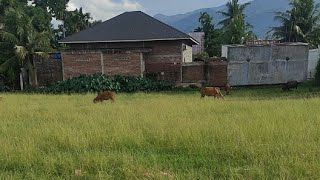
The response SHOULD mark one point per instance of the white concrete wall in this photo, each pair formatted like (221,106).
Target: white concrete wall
(312,62)
(224,51)
(187,54)
(266,64)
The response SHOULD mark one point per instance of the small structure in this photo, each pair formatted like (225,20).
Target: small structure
(48,70)
(266,64)
(132,43)
(211,71)
(313,59)
(198,48)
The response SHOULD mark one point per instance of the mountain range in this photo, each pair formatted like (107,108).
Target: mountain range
(260,14)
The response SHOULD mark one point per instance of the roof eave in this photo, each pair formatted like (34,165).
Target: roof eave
(115,41)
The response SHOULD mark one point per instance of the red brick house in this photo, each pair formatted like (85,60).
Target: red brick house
(132,43)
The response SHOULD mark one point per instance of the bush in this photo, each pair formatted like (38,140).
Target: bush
(4,88)
(202,55)
(317,75)
(99,82)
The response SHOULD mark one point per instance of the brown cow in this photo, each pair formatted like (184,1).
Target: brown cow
(227,88)
(211,91)
(105,95)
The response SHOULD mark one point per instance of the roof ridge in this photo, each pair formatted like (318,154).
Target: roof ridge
(128,26)
(168,25)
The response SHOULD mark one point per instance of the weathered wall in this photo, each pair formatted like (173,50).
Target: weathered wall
(193,72)
(78,62)
(187,54)
(163,58)
(199,37)
(214,73)
(266,64)
(123,63)
(49,70)
(312,62)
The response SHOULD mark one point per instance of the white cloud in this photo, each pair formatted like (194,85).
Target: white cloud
(104,9)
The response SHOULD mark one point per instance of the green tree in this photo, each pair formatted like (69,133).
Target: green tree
(212,37)
(20,33)
(76,21)
(299,24)
(57,8)
(236,29)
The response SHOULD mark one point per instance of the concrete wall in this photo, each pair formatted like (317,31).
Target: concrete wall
(312,62)
(266,64)
(187,53)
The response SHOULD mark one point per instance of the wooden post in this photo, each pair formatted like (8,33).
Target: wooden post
(21,82)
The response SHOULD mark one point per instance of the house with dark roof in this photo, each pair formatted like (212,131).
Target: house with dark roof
(132,43)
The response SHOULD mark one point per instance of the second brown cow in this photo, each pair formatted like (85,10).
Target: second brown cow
(211,91)
(105,95)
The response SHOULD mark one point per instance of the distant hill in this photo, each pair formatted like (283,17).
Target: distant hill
(259,14)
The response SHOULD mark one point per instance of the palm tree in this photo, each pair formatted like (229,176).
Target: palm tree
(27,42)
(300,23)
(234,25)
(76,21)
(198,29)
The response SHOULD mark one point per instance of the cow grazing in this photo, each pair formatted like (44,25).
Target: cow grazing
(227,88)
(211,91)
(105,95)
(289,85)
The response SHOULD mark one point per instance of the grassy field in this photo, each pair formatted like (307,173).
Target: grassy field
(252,134)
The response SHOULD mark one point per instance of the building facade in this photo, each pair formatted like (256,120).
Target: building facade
(132,43)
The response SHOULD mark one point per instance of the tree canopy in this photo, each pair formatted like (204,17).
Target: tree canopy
(298,24)
(26,30)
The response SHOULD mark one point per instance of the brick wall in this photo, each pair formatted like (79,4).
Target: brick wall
(213,73)
(76,63)
(193,72)
(49,70)
(124,63)
(218,73)
(165,60)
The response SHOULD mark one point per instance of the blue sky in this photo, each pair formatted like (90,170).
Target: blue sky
(105,9)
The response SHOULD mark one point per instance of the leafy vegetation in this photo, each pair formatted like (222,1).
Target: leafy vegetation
(26,30)
(235,30)
(300,23)
(252,134)
(99,82)
(212,42)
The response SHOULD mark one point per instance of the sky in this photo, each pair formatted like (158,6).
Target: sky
(106,9)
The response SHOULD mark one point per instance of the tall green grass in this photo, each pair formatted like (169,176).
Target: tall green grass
(252,134)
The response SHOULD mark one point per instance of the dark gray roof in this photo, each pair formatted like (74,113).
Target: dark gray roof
(128,27)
